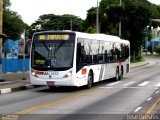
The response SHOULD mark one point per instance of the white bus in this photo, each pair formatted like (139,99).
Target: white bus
(68,58)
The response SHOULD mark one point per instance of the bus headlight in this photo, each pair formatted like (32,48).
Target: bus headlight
(34,73)
(68,74)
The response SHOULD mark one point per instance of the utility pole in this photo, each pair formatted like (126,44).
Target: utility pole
(1,19)
(23,36)
(97,18)
(120,3)
(71,24)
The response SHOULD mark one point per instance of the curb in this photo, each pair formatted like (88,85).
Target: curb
(9,90)
(135,65)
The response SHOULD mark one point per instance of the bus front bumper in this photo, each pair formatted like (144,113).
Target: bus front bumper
(52,82)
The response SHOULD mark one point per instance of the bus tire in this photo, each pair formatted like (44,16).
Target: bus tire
(121,73)
(117,74)
(51,87)
(89,81)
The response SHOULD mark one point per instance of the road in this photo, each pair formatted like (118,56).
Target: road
(108,100)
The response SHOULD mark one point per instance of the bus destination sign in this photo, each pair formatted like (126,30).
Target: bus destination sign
(53,37)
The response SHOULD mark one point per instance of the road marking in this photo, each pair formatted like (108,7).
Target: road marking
(139,108)
(152,108)
(156,92)
(144,83)
(119,87)
(158,85)
(149,99)
(129,83)
(52,103)
(115,83)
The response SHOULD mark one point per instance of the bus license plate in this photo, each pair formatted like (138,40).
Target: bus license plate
(51,73)
(50,83)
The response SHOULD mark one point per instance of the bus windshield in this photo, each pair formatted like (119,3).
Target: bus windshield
(52,55)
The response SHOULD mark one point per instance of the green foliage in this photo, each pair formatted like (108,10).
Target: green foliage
(91,18)
(6,4)
(13,25)
(157,50)
(59,22)
(134,16)
(91,30)
(137,58)
(152,49)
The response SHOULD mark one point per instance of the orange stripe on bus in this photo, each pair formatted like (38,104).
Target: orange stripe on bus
(39,73)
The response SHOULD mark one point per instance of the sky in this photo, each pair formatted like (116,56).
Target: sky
(30,10)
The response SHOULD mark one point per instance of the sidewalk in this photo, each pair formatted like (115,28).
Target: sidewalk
(14,82)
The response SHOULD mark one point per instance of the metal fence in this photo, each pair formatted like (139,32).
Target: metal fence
(14,65)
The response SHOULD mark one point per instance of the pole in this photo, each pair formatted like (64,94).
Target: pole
(24,44)
(1,19)
(146,39)
(97,18)
(71,24)
(153,42)
(120,3)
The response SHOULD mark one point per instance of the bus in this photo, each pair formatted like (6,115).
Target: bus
(69,58)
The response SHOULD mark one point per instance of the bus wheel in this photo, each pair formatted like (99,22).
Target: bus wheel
(121,74)
(51,87)
(90,81)
(117,75)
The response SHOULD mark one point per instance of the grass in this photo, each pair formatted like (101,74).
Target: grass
(156,55)
(137,59)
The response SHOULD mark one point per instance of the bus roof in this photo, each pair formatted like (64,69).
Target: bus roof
(96,36)
(99,36)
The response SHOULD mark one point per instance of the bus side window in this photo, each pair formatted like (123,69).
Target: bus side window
(106,57)
(118,51)
(100,59)
(80,54)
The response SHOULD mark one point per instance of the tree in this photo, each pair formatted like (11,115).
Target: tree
(90,21)
(134,16)
(59,22)
(13,25)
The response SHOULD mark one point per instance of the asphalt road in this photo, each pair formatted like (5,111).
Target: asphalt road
(107,100)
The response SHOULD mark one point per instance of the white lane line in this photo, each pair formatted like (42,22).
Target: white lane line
(156,92)
(115,83)
(158,85)
(119,87)
(6,90)
(144,83)
(139,108)
(129,83)
(149,99)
